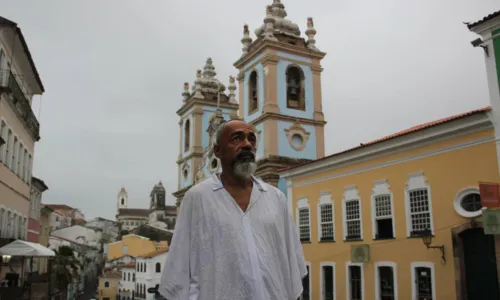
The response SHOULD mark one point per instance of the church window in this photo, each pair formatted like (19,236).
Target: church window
(187,130)
(123,201)
(295,88)
(158,267)
(185,173)
(253,91)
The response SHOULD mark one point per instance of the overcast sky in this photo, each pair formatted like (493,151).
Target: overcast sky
(114,72)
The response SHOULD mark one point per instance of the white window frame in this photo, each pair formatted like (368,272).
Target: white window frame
(3,133)
(417,181)
(348,280)
(457,203)
(381,188)
(377,278)
(322,275)
(303,203)
(14,154)
(424,264)
(351,193)
(325,199)
(8,149)
(308,264)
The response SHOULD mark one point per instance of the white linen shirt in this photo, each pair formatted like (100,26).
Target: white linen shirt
(219,252)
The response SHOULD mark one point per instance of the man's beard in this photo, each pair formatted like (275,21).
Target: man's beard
(244,165)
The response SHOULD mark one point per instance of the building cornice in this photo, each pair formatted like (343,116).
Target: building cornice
(279,117)
(261,45)
(192,102)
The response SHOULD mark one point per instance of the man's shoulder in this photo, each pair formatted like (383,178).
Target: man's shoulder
(201,187)
(271,190)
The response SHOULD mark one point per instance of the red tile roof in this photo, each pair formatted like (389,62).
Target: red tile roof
(485,19)
(59,206)
(399,134)
(133,212)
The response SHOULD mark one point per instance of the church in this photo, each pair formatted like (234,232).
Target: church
(158,215)
(400,217)
(279,92)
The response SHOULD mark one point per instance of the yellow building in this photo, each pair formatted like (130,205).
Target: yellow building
(42,262)
(134,245)
(109,283)
(361,214)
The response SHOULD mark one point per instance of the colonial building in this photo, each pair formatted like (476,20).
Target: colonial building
(109,229)
(148,270)
(129,218)
(108,285)
(279,83)
(134,245)
(203,108)
(37,188)
(19,129)
(158,215)
(401,217)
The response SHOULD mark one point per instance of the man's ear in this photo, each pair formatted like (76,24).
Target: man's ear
(217,151)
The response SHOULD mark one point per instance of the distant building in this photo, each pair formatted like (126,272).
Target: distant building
(159,214)
(148,270)
(37,188)
(45,229)
(129,218)
(134,245)
(127,285)
(109,229)
(19,130)
(108,285)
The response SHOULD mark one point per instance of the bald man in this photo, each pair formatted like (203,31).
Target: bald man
(235,238)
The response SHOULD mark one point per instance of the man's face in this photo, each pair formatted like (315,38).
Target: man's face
(237,149)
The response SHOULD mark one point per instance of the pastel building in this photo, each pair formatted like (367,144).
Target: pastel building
(133,245)
(19,130)
(401,217)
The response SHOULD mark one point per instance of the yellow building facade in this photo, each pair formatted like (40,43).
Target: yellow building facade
(134,245)
(109,283)
(361,214)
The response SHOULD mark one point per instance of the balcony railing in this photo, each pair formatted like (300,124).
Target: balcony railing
(10,86)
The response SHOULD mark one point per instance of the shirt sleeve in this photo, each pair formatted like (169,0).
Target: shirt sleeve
(298,269)
(176,281)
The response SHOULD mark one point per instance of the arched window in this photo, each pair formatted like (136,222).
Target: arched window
(128,277)
(295,88)
(253,93)
(187,130)
(158,267)
(145,267)
(123,201)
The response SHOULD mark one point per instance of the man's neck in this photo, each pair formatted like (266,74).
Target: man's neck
(228,179)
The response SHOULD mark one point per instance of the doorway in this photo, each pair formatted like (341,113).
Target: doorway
(480,265)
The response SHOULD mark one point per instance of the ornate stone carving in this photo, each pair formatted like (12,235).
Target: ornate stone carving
(297,136)
(280,24)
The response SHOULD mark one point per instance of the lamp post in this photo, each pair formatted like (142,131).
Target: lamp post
(427,239)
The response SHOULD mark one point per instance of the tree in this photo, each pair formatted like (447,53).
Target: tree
(65,266)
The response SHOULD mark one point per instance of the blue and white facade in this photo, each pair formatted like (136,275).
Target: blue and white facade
(279,85)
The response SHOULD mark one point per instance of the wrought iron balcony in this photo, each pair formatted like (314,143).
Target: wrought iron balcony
(10,86)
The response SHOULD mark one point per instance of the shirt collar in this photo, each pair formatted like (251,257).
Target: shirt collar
(217,184)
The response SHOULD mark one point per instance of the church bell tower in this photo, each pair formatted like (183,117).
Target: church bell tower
(280,92)
(121,199)
(204,106)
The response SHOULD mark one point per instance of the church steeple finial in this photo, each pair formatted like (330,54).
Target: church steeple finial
(311,32)
(246,40)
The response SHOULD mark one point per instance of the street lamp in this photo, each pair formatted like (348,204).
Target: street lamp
(6,258)
(427,239)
